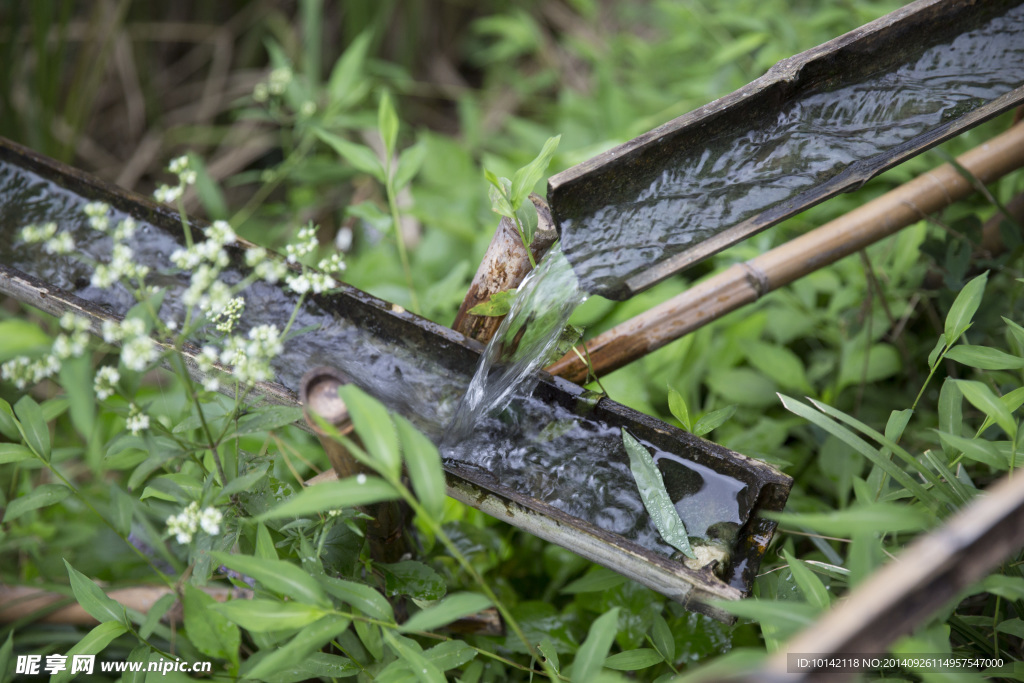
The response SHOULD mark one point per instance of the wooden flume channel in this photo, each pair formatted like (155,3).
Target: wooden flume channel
(768,488)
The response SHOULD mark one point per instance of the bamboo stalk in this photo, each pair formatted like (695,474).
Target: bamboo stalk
(21,602)
(906,592)
(743,283)
(502,269)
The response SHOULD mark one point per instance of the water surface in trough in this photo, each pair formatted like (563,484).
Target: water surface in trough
(548,451)
(656,209)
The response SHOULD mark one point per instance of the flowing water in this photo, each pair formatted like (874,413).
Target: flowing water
(662,207)
(559,454)
(523,343)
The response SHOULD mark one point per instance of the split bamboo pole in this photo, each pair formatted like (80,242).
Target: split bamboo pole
(743,283)
(903,594)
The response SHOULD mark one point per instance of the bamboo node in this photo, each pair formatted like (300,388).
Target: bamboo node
(757,278)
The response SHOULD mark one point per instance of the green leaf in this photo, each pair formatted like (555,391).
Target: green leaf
(598,579)
(1015,627)
(156,612)
(663,639)
(809,584)
(375,427)
(592,653)
(372,214)
(877,363)
(331,495)
(779,363)
(268,419)
(408,651)
(499,303)
(92,643)
(39,497)
(207,629)
(37,433)
(264,543)
(982,398)
(450,654)
(362,597)
(412,578)
(9,426)
(304,643)
(452,608)
(77,379)
(788,614)
(549,651)
(897,424)
(409,163)
(951,416)
(933,356)
(677,406)
(985,358)
(655,496)
(961,313)
(246,482)
(7,658)
(633,660)
(859,445)
(526,222)
(14,452)
(877,517)
(346,76)
(499,196)
(276,575)
(1016,330)
(359,156)
(21,337)
(423,462)
(387,123)
(1007,587)
(370,637)
(261,616)
(528,176)
(713,420)
(93,600)
(979,450)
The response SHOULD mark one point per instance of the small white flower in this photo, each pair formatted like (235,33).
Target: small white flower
(334,264)
(167,194)
(97,213)
(125,229)
(106,381)
(271,271)
(211,384)
(299,284)
(279,80)
(72,346)
(178,165)
(210,519)
(103,277)
(186,259)
(260,93)
(308,108)
(74,323)
(269,339)
(221,233)
(343,240)
(255,256)
(38,233)
(60,244)
(138,353)
(137,421)
(206,358)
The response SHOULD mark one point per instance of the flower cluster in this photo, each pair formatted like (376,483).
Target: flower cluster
(137,421)
(138,350)
(71,343)
(186,176)
(53,242)
(268,270)
(105,383)
(185,525)
(122,263)
(306,244)
(250,356)
(229,315)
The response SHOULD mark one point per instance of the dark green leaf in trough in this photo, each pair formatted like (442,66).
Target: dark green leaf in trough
(655,496)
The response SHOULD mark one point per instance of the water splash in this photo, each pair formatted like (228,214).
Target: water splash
(522,344)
